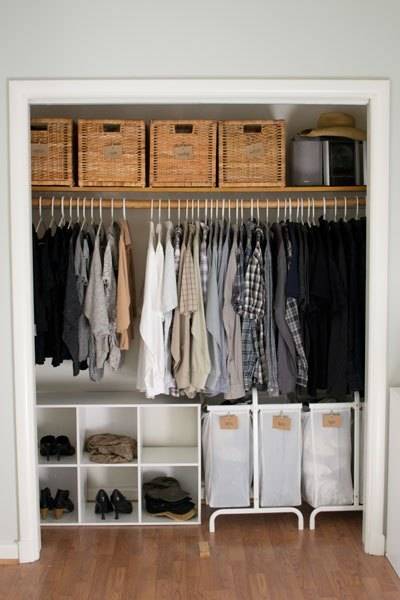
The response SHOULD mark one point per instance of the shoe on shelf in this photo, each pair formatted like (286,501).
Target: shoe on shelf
(63,446)
(46,502)
(120,503)
(48,446)
(62,503)
(103,504)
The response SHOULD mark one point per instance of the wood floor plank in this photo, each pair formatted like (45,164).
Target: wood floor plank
(262,557)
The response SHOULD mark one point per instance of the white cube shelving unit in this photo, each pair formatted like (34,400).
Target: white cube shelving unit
(168,437)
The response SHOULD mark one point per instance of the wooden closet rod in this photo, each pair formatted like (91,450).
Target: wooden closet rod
(143,204)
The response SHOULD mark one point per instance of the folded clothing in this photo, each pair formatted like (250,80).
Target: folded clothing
(111,448)
(165,497)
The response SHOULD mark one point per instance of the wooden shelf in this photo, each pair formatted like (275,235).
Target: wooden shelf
(211,190)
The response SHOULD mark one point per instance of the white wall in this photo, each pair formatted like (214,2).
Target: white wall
(97,38)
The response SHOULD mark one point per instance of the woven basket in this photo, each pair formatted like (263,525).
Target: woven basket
(111,153)
(183,153)
(51,152)
(252,153)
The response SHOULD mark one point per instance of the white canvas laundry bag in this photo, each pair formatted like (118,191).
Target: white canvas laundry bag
(227,460)
(280,455)
(326,464)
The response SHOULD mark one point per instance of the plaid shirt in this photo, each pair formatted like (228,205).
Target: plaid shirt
(178,235)
(254,288)
(253,313)
(293,321)
(204,259)
(238,284)
(188,297)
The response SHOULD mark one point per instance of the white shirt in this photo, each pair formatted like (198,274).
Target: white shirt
(150,374)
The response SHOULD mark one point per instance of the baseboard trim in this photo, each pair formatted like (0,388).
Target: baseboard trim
(8,553)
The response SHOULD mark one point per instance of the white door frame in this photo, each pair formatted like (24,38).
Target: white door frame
(373,93)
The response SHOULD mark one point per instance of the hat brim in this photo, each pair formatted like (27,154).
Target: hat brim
(347,132)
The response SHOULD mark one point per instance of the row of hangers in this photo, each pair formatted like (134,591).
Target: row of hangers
(289,207)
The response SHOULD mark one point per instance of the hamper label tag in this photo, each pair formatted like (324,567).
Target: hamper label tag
(39,150)
(229,422)
(255,150)
(332,420)
(282,422)
(183,151)
(114,151)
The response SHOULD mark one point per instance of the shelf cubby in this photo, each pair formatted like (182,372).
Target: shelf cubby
(57,421)
(63,479)
(174,441)
(92,480)
(188,478)
(105,419)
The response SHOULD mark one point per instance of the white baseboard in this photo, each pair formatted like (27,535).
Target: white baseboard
(8,551)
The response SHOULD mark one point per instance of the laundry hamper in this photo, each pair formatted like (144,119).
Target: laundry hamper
(327,454)
(183,153)
(111,153)
(227,459)
(251,153)
(280,443)
(51,152)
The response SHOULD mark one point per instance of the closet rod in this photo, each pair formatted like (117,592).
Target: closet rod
(142,204)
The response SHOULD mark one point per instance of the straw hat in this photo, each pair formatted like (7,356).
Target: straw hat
(336,124)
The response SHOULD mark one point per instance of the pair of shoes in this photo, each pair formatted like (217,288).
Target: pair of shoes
(60,504)
(56,446)
(116,502)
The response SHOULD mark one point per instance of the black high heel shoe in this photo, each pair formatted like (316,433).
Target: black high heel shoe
(48,446)
(63,446)
(120,503)
(103,504)
(62,503)
(46,502)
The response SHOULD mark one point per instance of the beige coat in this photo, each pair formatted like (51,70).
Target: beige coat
(126,295)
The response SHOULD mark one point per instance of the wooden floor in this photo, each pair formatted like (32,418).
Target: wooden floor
(251,558)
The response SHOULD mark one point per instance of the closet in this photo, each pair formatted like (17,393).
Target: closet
(168,429)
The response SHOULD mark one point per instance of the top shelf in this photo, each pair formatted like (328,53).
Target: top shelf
(207,190)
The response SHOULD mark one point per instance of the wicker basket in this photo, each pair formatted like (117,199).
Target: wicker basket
(252,153)
(183,153)
(111,153)
(51,152)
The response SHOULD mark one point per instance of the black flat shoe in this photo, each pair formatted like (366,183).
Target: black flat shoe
(63,446)
(103,504)
(48,446)
(46,502)
(62,503)
(120,503)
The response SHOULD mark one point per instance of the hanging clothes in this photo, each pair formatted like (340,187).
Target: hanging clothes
(126,293)
(72,305)
(212,316)
(231,320)
(169,301)
(96,312)
(269,324)
(200,364)
(286,352)
(110,289)
(151,371)
(82,269)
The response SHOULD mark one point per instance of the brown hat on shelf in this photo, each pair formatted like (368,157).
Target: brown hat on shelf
(336,124)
